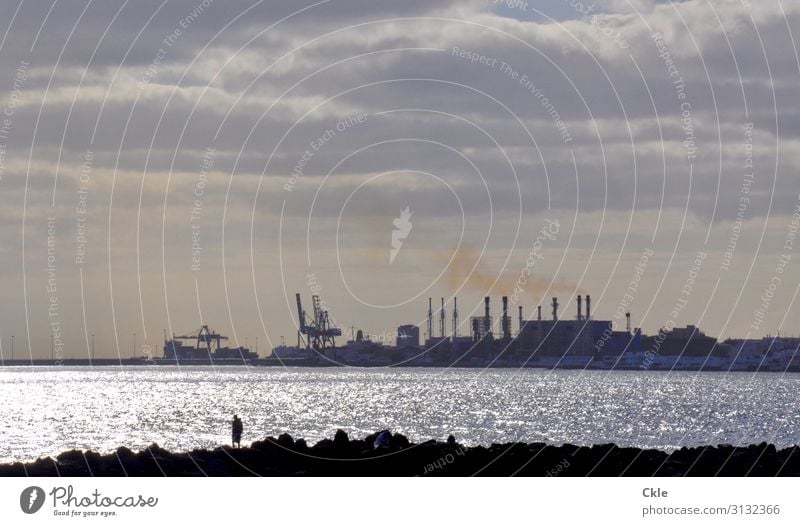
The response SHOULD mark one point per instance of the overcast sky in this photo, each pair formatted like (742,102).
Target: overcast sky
(169,163)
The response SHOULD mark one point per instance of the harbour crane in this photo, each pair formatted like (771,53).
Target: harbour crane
(205,339)
(318,329)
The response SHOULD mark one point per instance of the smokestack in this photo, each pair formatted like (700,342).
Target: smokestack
(442,321)
(520,318)
(506,320)
(628,321)
(430,318)
(588,310)
(555,309)
(539,313)
(487,320)
(580,308)
(455,317)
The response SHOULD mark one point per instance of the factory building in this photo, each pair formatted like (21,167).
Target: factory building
(581,340)
(408,336)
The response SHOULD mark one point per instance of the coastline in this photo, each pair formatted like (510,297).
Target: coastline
(326,363)
(341,456)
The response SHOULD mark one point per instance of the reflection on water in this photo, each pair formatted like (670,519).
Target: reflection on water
(47,410)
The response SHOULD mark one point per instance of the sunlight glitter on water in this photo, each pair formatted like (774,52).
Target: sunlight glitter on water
(48,410)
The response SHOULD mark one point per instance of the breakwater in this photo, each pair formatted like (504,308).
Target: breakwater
(396,456)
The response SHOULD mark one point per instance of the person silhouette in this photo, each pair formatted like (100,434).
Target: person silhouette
(236,432)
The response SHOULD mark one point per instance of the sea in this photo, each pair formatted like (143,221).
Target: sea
(47,410)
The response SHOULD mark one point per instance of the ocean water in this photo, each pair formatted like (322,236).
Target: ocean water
(46,410)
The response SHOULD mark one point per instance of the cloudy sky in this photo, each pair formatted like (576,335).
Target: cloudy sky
(169,163)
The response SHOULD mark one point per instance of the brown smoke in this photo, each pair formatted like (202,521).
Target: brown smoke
(460,273)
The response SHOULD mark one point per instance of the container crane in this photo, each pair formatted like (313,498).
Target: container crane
(319,332)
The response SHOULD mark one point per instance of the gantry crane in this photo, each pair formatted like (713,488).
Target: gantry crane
(205,339)
(319,332)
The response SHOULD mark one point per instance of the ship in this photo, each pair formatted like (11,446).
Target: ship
(204,347)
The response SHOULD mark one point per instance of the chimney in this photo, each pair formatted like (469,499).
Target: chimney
(442,321)
(506,320)
(487,320)
(455,317)
(588,303)
(539,313)
(628,321)
(579,308)
(520,318)
(430,318)
(555,309)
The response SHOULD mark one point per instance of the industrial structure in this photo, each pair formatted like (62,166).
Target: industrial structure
(408,336)
(318,330)
(204,346)
(561,341)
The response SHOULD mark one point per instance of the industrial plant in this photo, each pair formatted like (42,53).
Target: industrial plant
(555,342)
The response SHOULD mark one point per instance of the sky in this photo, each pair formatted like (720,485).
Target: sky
(168,164)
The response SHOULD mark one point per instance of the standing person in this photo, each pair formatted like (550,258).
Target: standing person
(236,432)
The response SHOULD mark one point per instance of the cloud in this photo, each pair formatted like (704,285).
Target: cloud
(513,113)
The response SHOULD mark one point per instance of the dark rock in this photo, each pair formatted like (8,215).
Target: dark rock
(43,467)
(340,439)
(17,469)
(286,440)
(399,457)
(325,444)
(68,457)
(370,439)
(399,441)
(261,445)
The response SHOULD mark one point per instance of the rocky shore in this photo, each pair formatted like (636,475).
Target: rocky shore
(396,456)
